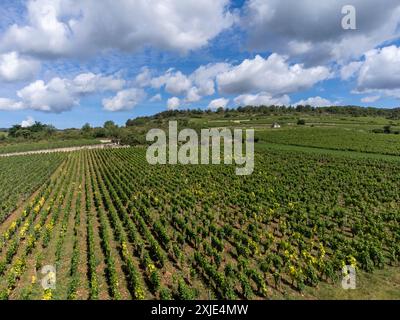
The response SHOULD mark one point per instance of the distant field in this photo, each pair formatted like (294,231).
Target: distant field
(22,147)
(338,138)
(326,132)
(331,120)
(263,146)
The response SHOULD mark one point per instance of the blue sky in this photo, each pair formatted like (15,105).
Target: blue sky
(68,62)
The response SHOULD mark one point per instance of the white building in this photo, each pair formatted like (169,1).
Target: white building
(275,125)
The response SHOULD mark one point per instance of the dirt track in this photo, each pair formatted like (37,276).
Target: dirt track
(69,149)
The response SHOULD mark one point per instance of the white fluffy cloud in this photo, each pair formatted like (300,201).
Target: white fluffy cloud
(28,122)
(68,27)
(45,34)
(175,82)
(60,94)
(13,67)
(315,102)
(55,96)
(173,103)
(257,81)
(204,77)
(90,82)
(124,100)
(193,95)
(273,75)
(261,99)
(10,105)
(192,87)
(218,103)
(312,29)
(380,72)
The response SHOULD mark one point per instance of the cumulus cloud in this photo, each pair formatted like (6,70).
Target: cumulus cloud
(312,31)
(10,105)
(66,27)
(315,102)
(193,95)
(261,99)
(45,34)
(124,100)
(28,122)
(60,94)
(218,103)
(13,67)
(204,77)
(380,72)
(175,82)
(90,82)
(273,75)
(55,96)
(192,87)
(173,103)
(257,81)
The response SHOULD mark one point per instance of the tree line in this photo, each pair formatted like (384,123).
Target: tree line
(354,111)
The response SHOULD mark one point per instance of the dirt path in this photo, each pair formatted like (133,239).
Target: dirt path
(69,149)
